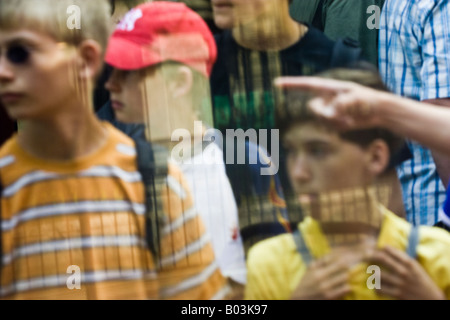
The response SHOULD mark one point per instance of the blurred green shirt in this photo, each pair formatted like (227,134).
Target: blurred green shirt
(356,19)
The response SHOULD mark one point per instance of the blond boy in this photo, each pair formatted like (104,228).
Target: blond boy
(72,205)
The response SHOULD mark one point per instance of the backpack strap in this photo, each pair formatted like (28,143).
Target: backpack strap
(413,241)
(302,249)
(152,165)
(346,52)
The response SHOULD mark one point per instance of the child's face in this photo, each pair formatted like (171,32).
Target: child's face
(334,181)
(126,89)
(320,161)
(141,96)
(37,78)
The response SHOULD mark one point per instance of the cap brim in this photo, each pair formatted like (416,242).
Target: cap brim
(127,55)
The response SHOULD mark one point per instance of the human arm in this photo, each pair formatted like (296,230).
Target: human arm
(351,106)
(441,160)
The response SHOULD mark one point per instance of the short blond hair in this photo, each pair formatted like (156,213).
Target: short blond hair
(52,16)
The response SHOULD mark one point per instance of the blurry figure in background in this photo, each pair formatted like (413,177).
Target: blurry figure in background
(162,54)
(354,19)
(262,42)
(414,60)
(204,9)
(346,228)
(72,198)
(120,7)
(308,12)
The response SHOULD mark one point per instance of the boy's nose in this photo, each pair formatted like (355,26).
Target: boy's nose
(6,73)
(113,82)
(300,172)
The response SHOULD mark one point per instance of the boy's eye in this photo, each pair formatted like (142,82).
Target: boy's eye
(124,74)
(318,151)
(18,54)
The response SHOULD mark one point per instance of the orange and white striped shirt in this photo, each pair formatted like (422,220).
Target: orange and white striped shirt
(88,215)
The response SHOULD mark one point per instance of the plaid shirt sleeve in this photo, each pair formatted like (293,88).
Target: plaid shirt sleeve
(435,21)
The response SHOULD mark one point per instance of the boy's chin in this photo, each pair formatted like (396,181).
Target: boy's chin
(307,198)
(16,112)
(128,120)
(349,227)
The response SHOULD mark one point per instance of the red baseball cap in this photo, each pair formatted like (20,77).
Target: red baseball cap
(160,31)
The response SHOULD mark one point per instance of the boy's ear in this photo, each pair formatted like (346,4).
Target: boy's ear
(91,60)
(377,157)
(181,82)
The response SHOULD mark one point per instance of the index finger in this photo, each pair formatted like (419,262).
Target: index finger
(312,84)
(398,254)
(394,259)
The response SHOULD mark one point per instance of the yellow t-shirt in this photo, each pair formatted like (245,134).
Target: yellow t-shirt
(275,268)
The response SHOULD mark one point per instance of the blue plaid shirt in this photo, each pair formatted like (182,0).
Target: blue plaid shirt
(414,61)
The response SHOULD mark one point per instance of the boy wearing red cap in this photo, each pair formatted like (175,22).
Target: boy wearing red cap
(162,54)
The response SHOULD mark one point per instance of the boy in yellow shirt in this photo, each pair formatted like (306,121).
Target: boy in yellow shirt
(348,246)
